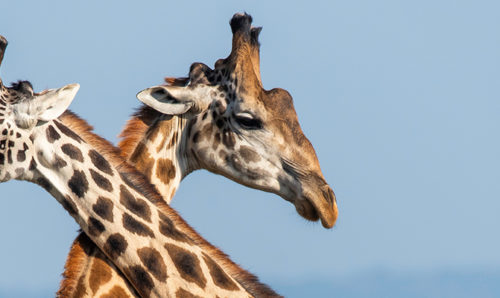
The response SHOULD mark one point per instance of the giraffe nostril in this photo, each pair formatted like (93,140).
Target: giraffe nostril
(329,195)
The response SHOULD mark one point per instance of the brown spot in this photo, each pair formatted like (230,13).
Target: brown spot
(115,245)
(187,264)
(72,151)
(135,226)
(141,279)
(52,134)
(168,228)
(219,277)
(222,154)
(80,290)
(206,131)
(104,208)
(181,293)
(162,144)
(100,162)
(165,170)
(101,181)
(153,261)
(78,183)
(163,128)
(137,206)
(116,292)
(69,205)
(58,163)
(95,227)
(248,154)
(142,161)
(233,161)
(68,132)
(100,273)
(21,154)
(9,156)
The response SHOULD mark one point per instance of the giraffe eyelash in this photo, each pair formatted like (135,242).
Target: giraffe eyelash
(248,121)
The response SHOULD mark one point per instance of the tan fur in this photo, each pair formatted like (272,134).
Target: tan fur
(100,273)
(115,292)
(80,255)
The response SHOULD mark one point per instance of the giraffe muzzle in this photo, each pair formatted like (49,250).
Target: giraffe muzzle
(319,205)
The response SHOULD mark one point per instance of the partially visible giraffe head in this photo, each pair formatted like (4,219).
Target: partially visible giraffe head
(238,129)
(21,110)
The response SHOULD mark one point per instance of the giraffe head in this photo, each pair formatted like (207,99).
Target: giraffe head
(238,129)
(21,113)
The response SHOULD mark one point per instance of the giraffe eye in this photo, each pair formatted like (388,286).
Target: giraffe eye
(248,121)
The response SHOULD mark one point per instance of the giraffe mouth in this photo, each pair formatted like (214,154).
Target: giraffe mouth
(307,210)
(322,208)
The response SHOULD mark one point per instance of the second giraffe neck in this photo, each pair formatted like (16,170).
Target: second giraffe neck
(161,155)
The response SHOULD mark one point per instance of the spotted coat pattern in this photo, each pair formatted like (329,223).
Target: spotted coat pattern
(165,148)
(114,205)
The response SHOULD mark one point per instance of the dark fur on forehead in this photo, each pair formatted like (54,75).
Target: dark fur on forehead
(199,73)
(240,22)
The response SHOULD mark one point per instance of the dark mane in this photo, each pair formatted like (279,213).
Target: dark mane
(139,182)
(22,86)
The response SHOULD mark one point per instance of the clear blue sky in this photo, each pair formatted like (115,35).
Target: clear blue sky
(401,100)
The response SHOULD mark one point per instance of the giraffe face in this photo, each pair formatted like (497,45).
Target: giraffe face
(237,129)
(23,114)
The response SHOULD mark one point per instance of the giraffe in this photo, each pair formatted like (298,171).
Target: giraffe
(121,212)
(168,146)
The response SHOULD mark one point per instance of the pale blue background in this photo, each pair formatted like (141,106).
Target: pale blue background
(401,100)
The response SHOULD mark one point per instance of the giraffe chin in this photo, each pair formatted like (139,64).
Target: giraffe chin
(308,210)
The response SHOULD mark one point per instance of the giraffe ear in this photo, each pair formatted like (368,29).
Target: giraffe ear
(53,103)
(176,100)
(168,100)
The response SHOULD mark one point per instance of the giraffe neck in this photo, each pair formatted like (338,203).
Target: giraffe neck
(151,141)
(161,155)
(124,216)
